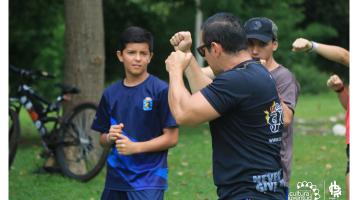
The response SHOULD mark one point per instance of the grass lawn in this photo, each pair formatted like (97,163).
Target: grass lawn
(318,158)
(313,107)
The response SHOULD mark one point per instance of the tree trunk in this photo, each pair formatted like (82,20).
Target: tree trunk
(84,49)
(84,59)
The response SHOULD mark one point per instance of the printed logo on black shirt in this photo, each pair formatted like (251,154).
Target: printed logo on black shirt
(274,117)
(270,181)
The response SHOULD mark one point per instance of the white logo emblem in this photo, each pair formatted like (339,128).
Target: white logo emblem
(335,190)
(257,25)
(305,191)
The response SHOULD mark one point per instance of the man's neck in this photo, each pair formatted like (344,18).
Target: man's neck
(230,61)
(131,81)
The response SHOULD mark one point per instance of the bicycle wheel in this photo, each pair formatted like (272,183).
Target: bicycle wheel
(14,134)
(79,152)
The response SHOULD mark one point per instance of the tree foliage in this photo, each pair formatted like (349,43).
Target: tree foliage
(36,36)
(37,31)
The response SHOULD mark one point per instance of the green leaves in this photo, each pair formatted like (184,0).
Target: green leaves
(36,29)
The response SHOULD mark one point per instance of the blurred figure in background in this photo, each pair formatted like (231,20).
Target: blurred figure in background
(335,54)
(261,33)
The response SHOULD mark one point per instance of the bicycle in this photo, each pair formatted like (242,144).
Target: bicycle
(68,138)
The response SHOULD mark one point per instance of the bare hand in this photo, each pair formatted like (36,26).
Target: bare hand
(334,82)
(177,61)
(114,132)
(301,45)
(125,146)
(181,41)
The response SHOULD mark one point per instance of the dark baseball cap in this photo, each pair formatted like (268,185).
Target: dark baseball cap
(261,28)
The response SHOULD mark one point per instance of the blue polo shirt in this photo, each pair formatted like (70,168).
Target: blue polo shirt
(144,111)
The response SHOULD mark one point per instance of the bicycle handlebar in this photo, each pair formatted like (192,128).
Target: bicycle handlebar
(31,74)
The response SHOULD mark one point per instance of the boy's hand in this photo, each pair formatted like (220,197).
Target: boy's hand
(114,132)
(335,83)
(301,45)
(125,146)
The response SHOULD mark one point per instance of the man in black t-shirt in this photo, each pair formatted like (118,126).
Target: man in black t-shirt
(241,104)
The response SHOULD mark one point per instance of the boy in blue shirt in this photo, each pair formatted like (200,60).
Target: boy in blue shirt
(135,122)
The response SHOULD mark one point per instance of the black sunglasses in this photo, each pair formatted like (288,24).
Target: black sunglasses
(201,49)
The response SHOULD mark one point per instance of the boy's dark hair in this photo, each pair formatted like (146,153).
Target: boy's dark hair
(135,34)
(225,29)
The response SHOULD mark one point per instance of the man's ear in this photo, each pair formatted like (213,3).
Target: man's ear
(275,45)
(216,48)
(120,56)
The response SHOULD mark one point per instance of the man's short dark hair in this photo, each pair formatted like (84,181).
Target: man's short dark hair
(135,34)
(226,29)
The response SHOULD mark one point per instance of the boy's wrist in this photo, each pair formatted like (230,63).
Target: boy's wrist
(108,139)
(339,90)
(313,47)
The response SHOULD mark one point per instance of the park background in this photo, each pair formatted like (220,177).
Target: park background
(38,40)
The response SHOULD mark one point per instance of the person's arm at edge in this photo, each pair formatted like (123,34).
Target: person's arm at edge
(343,97)
(330,52)
(333,53)
(336,84)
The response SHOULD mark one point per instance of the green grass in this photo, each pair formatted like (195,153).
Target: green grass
(318,106)
(318,158)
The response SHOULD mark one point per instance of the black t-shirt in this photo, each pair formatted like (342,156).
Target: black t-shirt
(247,136)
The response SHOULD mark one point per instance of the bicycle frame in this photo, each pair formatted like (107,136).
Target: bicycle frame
(59,134)
(38,109)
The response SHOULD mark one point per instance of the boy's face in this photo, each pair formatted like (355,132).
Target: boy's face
(261,50)
(135,58)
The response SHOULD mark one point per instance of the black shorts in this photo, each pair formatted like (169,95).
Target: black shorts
(347,151)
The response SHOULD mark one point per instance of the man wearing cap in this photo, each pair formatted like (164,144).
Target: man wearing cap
(261,33)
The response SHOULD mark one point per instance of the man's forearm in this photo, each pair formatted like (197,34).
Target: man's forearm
(196,78)
(177,96)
